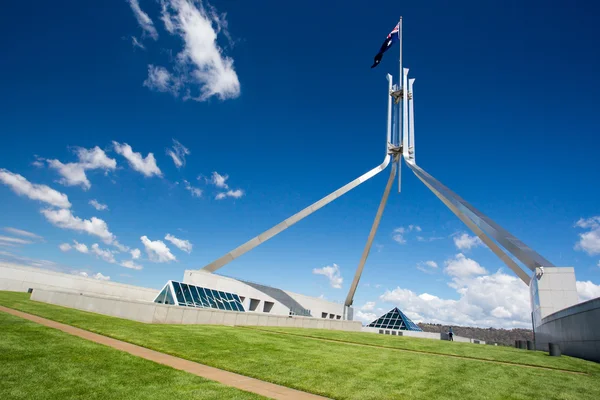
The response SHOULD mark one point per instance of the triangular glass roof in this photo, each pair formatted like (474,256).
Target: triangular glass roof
(395,319)
(186,295)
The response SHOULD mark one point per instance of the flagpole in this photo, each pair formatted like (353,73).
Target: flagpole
(400,119)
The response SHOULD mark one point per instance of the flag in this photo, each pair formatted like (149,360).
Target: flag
(387,43)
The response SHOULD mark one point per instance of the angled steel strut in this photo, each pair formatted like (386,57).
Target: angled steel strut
(268,234)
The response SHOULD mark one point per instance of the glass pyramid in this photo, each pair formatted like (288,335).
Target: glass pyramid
(395,319)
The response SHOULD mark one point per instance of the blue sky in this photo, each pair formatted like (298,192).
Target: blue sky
(279,98)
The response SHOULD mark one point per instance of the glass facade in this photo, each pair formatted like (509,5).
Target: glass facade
(395,319)
(187,295)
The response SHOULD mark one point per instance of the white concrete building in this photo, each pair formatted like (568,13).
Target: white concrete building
(266,299)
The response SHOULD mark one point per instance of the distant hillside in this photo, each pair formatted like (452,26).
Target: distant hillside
(505,337)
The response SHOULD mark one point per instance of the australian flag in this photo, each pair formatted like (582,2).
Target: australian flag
(389,40)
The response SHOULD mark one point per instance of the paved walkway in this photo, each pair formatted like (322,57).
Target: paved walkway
(214,374)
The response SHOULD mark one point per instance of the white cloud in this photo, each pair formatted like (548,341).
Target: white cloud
(147,166)
(143,19)
(66,220)
(462,267)
(369,306)
(196,192)
(201,64)
(161,80)
(97,276)
(80,247)
(219,180)
(12,240)
(73,174)
(65,247)
(98,206)
(183,245)
(497,300)
(466,242)
(398,234)
(101,277)
(95,158)
(429,267)
(135,254)
(21,232)
(136,43)
(365,317)
(587,290)
(332,273)
(589,241)
(236,194)
(178,153)
(157,250)
(106,255)
(587,223)
(23,187)
(131,265)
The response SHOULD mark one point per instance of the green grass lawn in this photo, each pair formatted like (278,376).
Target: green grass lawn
(43,363)
(484,352)
(341,370)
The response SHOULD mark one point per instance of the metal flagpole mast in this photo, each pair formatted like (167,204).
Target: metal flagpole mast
(400,119)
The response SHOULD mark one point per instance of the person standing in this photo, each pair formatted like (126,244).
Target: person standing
(450,334)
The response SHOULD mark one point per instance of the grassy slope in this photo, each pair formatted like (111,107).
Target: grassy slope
(484,352)
(335,370)
(44,363)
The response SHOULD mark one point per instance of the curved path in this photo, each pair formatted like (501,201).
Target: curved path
(214,374)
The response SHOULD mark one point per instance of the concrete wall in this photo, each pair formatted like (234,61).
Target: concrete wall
(422,335)
(162,314)
(318,306)
(20,279)
(552,290)
(575,329)
(219,282)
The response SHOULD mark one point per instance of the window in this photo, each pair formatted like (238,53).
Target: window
(338,317)
(268,306)
(254,304)
(195,296)
(161,297)
(323,315)
(387,332)
(179,293)
(331,316)
(393,333)
(381,331)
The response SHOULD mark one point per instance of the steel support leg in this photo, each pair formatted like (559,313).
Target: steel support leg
(365,254)
(268,234)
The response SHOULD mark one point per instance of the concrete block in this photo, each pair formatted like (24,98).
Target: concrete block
(241,318)
(190,315)
(263,320)
(297,322)
(229,318)
(145,313)
(273,320)
(289,322)
(174,315)
(282,321)
(216,317)
(252,319)
(203,316)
